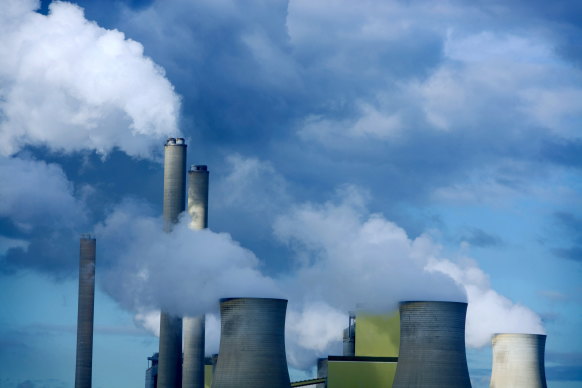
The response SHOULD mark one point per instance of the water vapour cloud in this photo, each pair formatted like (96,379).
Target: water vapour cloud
(185,272)
(346,259)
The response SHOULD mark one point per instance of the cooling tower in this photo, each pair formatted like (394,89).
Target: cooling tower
(252,344)
(170,355)
(518,361)
(194,327)
(83,368)
(432,346)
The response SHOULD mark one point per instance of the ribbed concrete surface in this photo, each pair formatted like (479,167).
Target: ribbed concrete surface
(518,361)
(252,344)
(432,345)
(83,369)
(170,354)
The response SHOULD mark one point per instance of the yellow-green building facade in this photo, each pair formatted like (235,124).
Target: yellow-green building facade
(377,342)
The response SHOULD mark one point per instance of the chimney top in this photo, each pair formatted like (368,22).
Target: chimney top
(198,167)
(172,141)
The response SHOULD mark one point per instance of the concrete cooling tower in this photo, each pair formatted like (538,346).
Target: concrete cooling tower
(170,355)
(432,346)
(83,367)
(518,361)
(194,327)
(252,344)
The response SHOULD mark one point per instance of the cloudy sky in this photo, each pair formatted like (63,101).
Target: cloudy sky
(361,153)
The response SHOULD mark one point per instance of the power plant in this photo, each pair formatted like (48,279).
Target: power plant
(194,327)
(252,344)
(86,308)
(518,361)
(422,344)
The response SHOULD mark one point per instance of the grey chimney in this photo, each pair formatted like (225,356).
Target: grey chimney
(170,354)
(194,327)
(84,367)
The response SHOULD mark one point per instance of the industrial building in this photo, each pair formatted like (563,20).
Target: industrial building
(370,354)
(420,345)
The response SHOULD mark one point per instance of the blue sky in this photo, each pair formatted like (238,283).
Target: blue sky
(396,135)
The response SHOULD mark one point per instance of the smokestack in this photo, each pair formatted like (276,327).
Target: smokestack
(198,177)
(349,340)
(518,361)
(84,367)
(170,355)
(432,345)
(252,344)
(194,327)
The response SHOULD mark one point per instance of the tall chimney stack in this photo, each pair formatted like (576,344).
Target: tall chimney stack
(194,327)
(252,344)
(432,346)
(84,367)
(170,354)
(518,361)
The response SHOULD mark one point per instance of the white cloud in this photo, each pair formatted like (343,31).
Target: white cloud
(373,123)
(36,193)
(69,84)
(509,83)
(7,243)
(251,185)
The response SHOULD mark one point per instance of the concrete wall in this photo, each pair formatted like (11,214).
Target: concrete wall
(360,374)
(252,344)
(432,346)
(518,361)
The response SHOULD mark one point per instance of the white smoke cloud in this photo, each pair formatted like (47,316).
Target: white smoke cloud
(184,272)
(488,311)
(346,259)
(68,84)
(312,331)
(356,260)
(349,258)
